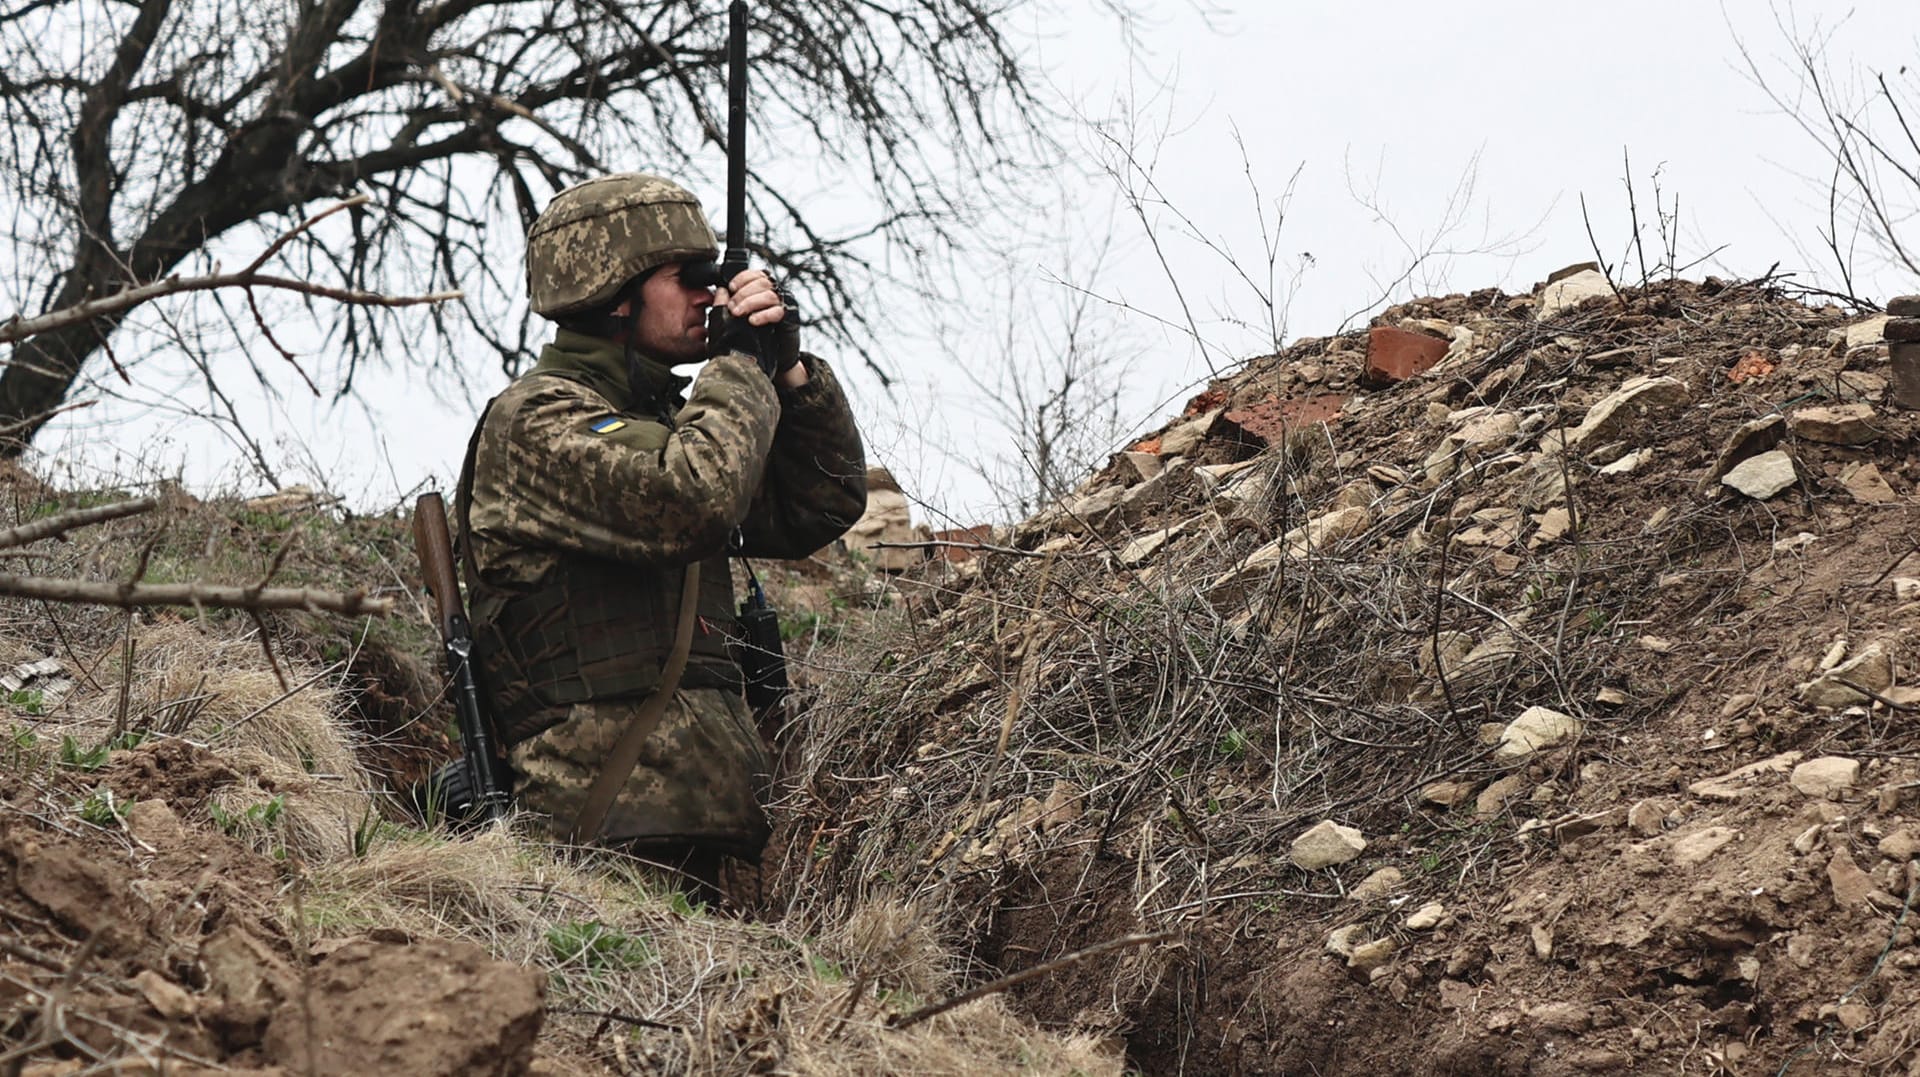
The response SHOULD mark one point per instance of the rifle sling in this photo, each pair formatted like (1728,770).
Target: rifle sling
(626,754)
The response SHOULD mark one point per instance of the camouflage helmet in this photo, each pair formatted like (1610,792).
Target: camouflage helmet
(596,236)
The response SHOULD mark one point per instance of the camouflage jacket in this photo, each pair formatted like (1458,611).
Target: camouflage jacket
(590,478)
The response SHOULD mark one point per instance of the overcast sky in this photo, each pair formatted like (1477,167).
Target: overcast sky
(1402,127)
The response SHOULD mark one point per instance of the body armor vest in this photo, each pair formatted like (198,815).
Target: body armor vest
(591,629)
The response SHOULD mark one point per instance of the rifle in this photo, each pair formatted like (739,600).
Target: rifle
(475,787)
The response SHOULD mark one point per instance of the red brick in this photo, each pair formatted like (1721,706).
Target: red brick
(1398,354)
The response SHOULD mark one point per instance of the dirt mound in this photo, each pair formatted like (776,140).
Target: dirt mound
(134,936)
(1539,713)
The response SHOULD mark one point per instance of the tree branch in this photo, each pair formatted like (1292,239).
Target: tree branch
(353,603)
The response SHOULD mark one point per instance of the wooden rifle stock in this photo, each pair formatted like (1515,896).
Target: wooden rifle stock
(433,544)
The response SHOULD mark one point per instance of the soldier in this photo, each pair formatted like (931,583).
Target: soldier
(596,479)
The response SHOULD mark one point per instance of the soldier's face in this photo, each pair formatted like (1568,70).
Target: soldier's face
(673,316)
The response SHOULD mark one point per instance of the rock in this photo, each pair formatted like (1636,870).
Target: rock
(1745,443)
(1369,956)
(1840,686)
(1141,466)
(1629,463)
(1844,424)
(1695,849)
(167,998)
(437,1008)
(1427,917)
(1906,588)
(1493,799)
(1536,730)
(1322,531)
(1561,1017)
(1378,885)
(1341,940)
(1906,376)
(1447,794)
(1850,885)
(887,519)
(1181,440)
(1541,936)
(1145,546)
(153,822)
(1624,407)
(1867,485)
(1648,818)
(1829,776)
(1738,704)
(1494,428)
(1738,783)
(1904,306)
(1571,291)
(1850,386)
(1395,355)
(1553,525)
(1809,839)
(1327,843)
(1902,844)
(1762,476)
(1863,333)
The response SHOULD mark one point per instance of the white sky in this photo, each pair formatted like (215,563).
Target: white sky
(1402,102)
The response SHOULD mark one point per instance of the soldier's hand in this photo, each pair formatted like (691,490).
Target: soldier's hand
(761,322)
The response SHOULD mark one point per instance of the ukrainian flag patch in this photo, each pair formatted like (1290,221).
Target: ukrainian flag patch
(606,425)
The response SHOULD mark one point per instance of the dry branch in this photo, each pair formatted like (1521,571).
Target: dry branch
(77,518)
(127,595)
(1034,972)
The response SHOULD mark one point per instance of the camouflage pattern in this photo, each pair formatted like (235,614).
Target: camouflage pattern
(596,236)
(668,485)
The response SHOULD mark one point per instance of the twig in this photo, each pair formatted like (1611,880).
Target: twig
(936,544)
(612,1015)
(354,603)
(74,519)
(283,696)
(1018,978)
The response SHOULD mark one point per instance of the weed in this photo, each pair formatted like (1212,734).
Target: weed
(829,971)
(101,809)
(30,700)
(684,906)
(260,816)
(595,946)
(78,758)
(1233,743)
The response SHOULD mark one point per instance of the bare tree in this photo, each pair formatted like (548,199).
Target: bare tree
(141,132)
(1864,122)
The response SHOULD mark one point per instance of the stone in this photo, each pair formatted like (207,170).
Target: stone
(1145,546)
(1493,799)
(887,519)
(1427,917)
(1369,956)
(1561,1017)
(1536,730)
(1850,885)
(1325,530)
(1905,368)
(1394,355)
(1498,427)
(1553,526)
(1141,466)
(1327,843)
(154,822)
(1614,413)
(1841,424)
(1863,334)
(1695,849)
(1809,839)
(1341,940)
(1745,443)
(1570,291)
(1829,776)
(1902,844)
(1738,783)
(1855,385)
(1738,704)
(1181,440)
(1648,818)
(1902,330)
(1629,463)
(1447,794)
(1378,885)
(1840,686)
(1762,476)
(1906,588)
(168,999)
(1904,306)
(1867,485)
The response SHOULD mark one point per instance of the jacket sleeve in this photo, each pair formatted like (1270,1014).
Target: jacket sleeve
(559,469)
(815,485)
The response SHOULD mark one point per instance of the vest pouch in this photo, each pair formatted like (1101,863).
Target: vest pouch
(762,656)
